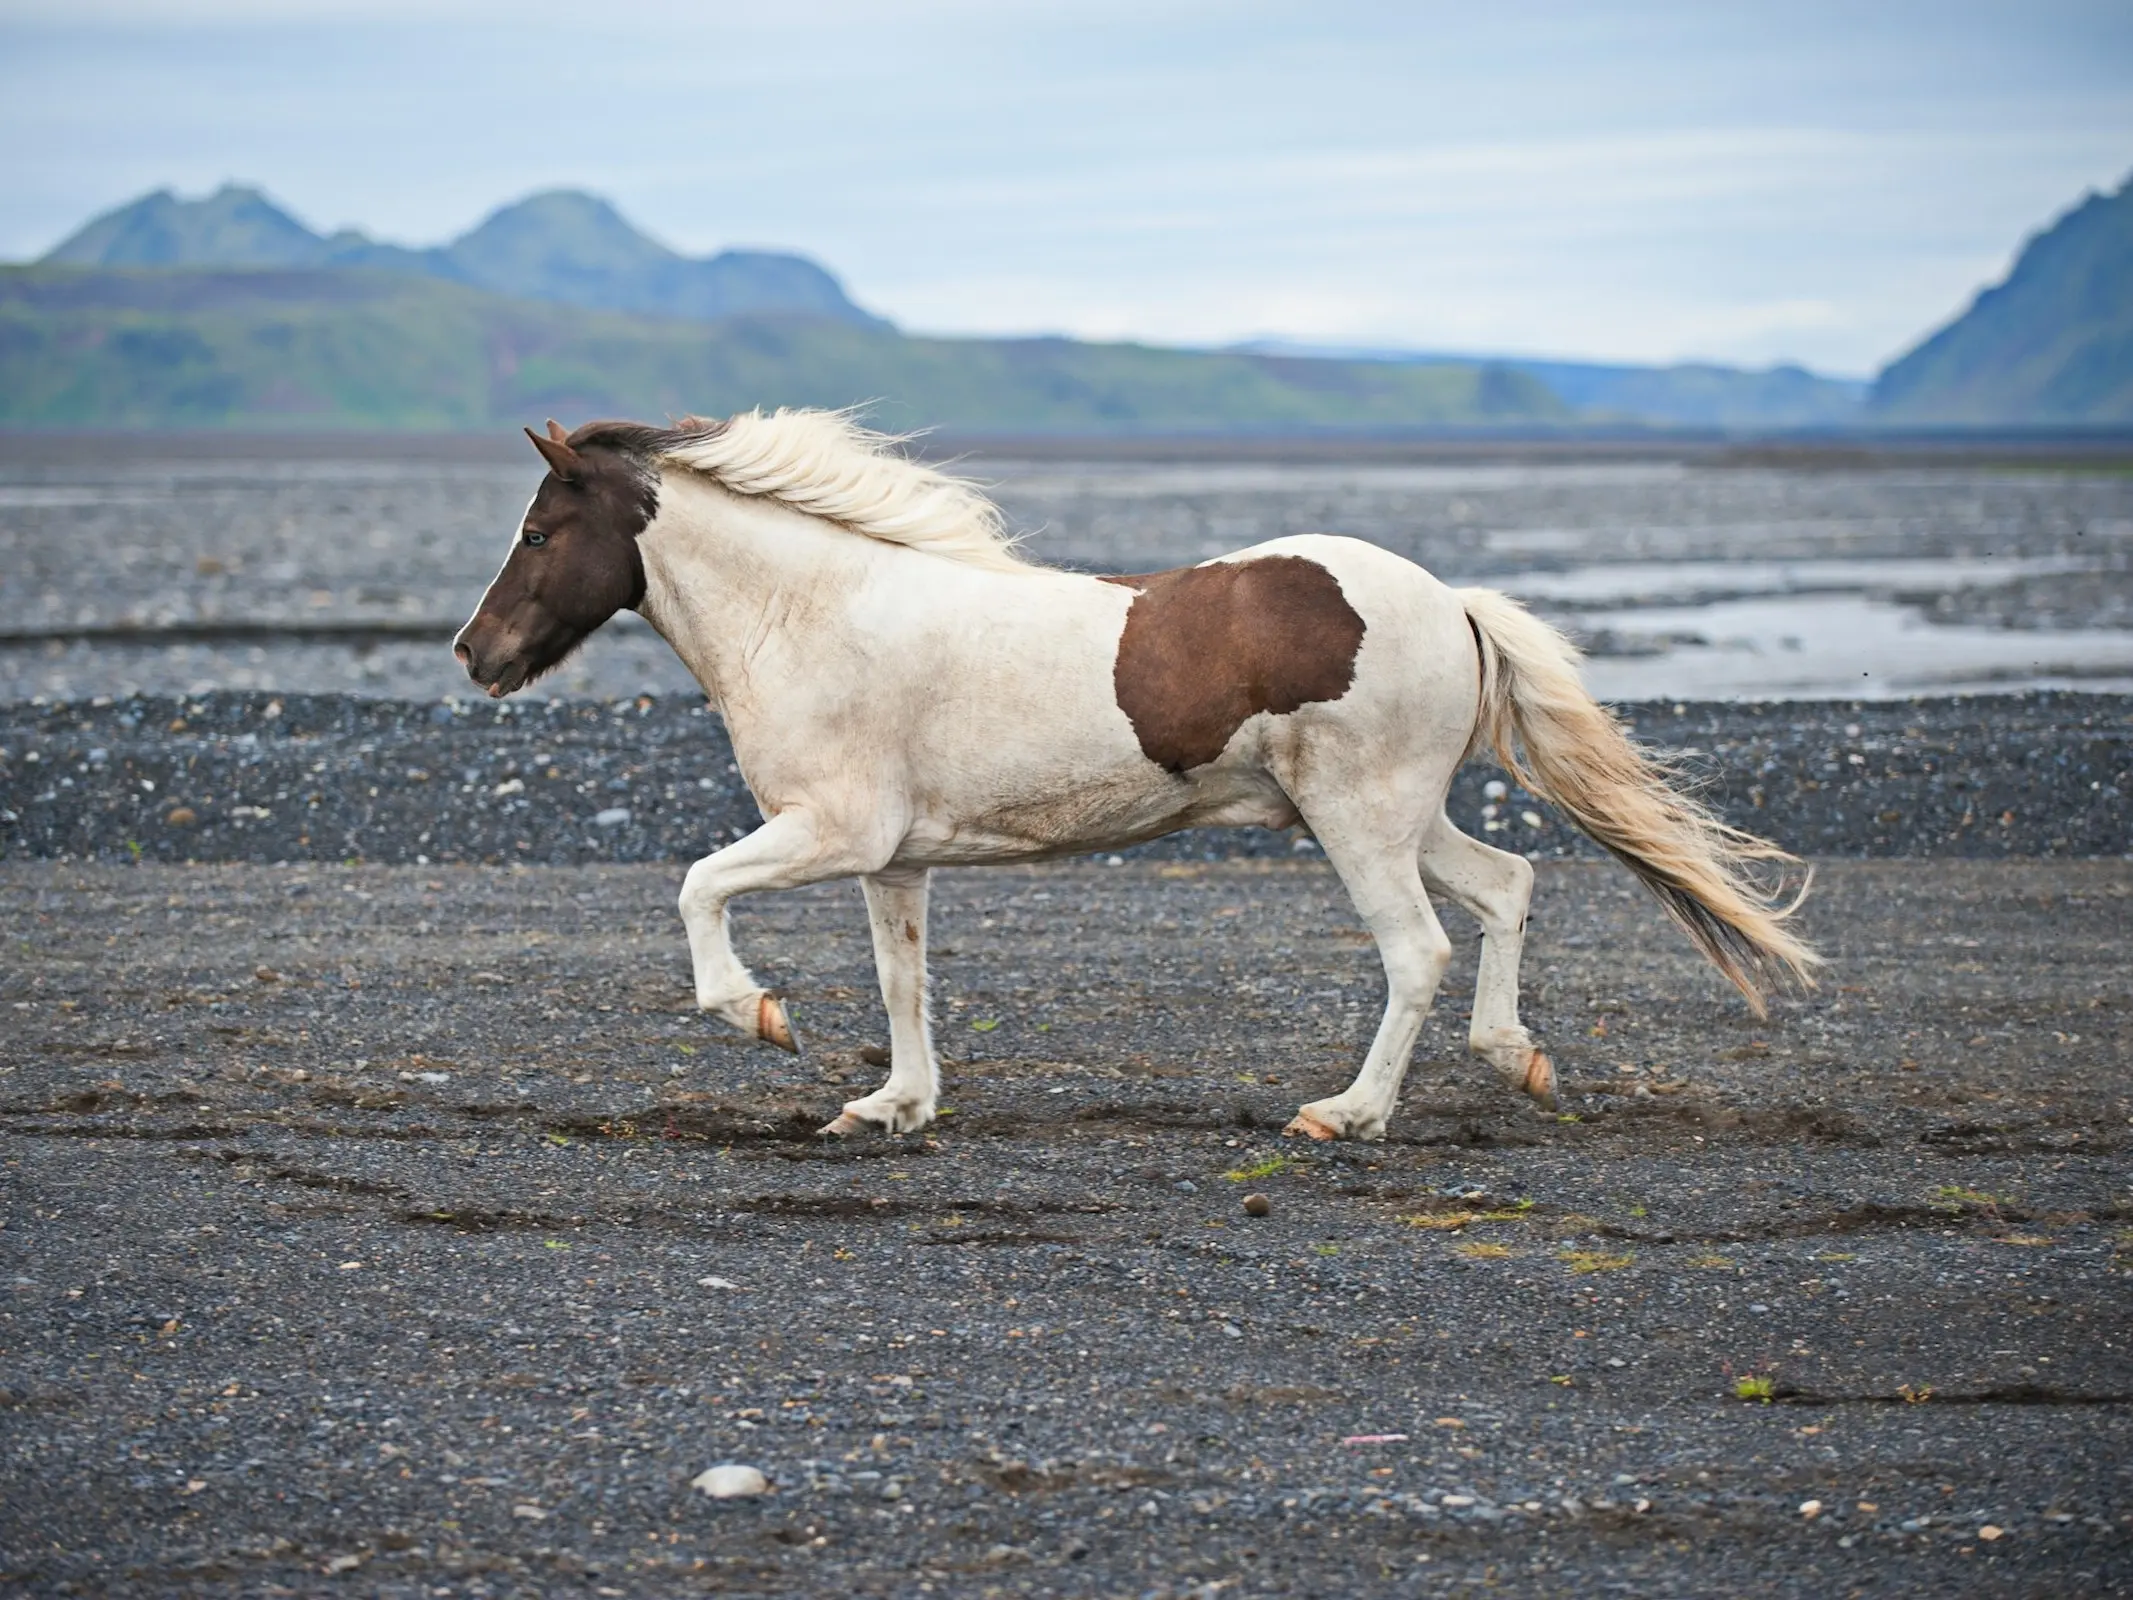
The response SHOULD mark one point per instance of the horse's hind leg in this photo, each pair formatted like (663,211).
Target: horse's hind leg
(896,909)
(1383,879)
(1496,887)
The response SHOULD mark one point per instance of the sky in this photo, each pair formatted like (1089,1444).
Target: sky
(1820,181)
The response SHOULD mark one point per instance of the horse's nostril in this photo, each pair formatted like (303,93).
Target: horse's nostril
(466,656)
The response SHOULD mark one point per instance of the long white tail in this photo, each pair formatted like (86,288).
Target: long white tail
(1566,747)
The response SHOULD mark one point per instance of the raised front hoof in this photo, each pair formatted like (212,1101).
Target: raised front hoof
(1540,1081)
(876,1114)
(772,1026)
(1325,1122)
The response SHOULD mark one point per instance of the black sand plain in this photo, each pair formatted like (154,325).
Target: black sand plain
(379,1218)
(397,1228)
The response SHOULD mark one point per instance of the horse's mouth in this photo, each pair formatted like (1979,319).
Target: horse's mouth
(505,679)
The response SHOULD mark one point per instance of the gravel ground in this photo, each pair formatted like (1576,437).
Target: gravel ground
(237,777)
(401,1231)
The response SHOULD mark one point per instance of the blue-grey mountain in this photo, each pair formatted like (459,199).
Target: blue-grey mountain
(2052,345)
(562,246)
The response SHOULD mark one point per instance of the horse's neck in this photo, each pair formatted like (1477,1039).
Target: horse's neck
(724,572)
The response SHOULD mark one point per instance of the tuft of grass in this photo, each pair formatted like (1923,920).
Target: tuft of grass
(1266,1168)
(1452,1221)
(1954,1197)
(1755,1387)
(1326,1249)
(1584,1261)
(1915,1397)
(1713,1260)
(1483,1250)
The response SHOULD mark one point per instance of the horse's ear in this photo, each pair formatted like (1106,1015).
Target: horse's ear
(557,432)
(563,461)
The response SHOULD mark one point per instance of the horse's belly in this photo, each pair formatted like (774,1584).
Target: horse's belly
(1118,810)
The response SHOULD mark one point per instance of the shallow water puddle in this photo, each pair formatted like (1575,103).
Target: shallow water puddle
(1850,645)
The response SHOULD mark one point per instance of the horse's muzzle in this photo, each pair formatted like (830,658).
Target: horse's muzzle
(497,678)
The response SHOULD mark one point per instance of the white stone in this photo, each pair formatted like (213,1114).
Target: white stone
(730,1481)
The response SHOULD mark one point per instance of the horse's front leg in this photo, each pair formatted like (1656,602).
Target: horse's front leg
(788,851)
(896,909)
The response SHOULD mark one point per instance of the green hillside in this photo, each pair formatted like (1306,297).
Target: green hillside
(2053,344)
(364,348)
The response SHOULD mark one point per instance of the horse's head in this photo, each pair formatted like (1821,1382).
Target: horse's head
(573,563)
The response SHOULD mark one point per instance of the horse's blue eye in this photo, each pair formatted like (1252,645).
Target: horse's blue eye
(535,538)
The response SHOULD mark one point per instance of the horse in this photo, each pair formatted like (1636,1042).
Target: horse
(905,689)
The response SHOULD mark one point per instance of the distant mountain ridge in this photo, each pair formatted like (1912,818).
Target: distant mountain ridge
(1690,394)
(559,245)
(2051,344)
(227,311)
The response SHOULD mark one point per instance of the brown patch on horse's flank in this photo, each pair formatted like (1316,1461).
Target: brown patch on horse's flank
(911,933)
(1206,647)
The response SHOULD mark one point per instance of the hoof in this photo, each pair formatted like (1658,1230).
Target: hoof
(1540,1080)
(1307,1125)
(772,1026)
(843,1126)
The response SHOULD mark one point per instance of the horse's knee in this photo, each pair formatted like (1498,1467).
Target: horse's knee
(698,898)
(1413,973)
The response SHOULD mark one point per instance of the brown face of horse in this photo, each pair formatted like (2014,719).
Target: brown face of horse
(574,565)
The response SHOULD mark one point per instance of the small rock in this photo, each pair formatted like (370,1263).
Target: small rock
(716,1282)
(1494,789)
(1989,1533)
(1257,1205)
(874,1055)
(526,1513)
(1187,1186)
(183,817)
(1810,1509)
(730,1481)
(612,817)
(344,1564)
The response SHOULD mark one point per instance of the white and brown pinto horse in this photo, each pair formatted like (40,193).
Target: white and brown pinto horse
(904,691)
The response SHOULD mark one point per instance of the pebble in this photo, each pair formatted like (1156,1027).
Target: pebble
(730,1481)
(1810,1509)
(1257,1205)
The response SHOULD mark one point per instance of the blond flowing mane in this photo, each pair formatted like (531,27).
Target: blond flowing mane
(825,463)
